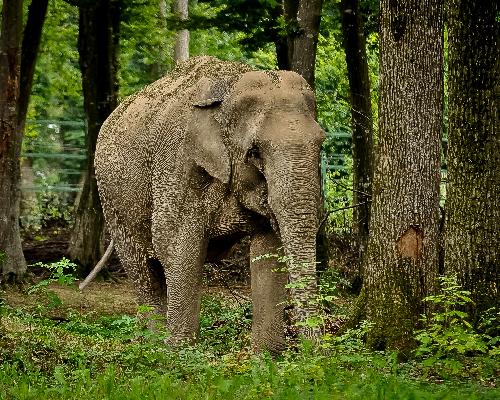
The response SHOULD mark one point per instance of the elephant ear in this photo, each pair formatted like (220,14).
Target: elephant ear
(205,143)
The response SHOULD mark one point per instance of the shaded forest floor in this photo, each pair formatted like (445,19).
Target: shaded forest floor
(59,343)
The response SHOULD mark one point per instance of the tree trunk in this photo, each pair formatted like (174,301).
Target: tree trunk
(304,17)
(472,241)
(11,253)
(29,52)
(402,256)
(362,123)
(181,51)
(158,67)
(97,46)
(31,42)
(281,40)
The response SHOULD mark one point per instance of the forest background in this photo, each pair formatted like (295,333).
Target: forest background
(140,40)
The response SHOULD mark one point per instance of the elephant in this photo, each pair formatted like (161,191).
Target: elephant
(210,153)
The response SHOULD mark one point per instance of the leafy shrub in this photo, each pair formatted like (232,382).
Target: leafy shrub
(448,338)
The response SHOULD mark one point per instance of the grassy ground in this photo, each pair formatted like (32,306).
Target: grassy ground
(58,343)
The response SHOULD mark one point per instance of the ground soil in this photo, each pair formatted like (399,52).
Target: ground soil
(111,292)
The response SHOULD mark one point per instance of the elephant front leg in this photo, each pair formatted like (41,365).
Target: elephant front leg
(184,279)
(268,294)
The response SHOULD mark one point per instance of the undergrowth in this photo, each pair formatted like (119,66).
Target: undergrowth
(90,356)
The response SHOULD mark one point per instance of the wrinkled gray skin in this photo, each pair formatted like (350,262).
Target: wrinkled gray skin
(193,162)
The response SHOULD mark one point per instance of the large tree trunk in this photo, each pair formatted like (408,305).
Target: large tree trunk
(181,51)
(304,16)
(362,124)
(402,256)
(472,242)
(97,46)
(11,253)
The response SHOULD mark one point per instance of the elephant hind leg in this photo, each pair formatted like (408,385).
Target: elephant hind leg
(146,273)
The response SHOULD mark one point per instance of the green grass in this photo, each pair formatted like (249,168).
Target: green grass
(101,356)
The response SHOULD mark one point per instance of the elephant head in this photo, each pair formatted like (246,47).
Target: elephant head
(258,135)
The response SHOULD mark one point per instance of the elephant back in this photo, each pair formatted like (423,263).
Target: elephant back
(160,108)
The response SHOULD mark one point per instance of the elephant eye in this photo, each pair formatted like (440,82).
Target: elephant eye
(253,153)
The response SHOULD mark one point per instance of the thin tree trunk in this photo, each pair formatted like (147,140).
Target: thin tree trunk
(158,67)
(29,52)
(11,253)
(280,40)
(362,123)
(97,46)
(472,239)
(31,42)
(181,51)
(304,16)
(402,256)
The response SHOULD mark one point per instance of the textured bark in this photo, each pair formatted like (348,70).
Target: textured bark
(304,16)
(97,46)
(402,256)
(362,123)
(31,42)
(181,51)
(472,241)
(11,256)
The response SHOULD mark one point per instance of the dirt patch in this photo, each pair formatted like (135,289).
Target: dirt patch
(104,298)
(100,297)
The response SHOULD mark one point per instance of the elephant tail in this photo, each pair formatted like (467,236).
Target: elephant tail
(100,265)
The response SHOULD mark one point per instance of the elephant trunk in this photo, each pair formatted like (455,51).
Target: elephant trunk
(294,197)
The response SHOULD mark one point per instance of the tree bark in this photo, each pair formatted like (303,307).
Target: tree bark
(304,17)
(31,42)
(181,51)
(362,123)
(97,45)
(402,256)
(472,234)
(11,253)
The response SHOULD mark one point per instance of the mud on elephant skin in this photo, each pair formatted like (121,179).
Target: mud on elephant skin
(209,153)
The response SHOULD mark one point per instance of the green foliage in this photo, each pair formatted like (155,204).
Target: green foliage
(91,356)
(57,91)
(60,272)
(223,327)
(3,256)
(448,338)
(259,20)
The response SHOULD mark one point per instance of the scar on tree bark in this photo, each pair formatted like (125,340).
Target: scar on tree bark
(409,245)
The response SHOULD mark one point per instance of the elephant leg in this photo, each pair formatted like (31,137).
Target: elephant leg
(268,294)
(145,273)
(184,259)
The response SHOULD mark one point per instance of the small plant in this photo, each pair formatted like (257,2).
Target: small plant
(448,336)
(60,272)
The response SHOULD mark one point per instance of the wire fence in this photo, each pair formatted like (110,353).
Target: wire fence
(54,156)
